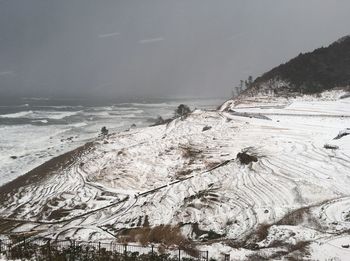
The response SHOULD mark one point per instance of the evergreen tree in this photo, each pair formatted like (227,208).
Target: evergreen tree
(182,110)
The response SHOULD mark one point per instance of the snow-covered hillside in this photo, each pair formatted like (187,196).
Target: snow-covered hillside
(293,201)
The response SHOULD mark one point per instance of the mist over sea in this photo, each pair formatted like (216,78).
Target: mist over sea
(33,130)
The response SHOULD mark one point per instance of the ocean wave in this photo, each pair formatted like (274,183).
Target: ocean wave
(15,106)
(60,106)
(53,115)
(96,114)
(35,98)
(123,113)
(164,104)
(21,114)
(41,121)
(79,125)
(56,115)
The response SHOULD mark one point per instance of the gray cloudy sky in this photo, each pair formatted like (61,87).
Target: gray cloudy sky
(155,47)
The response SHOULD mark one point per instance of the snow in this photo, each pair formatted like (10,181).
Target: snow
(178,173)
(336,248)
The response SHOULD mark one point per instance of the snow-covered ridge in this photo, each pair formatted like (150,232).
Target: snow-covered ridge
(342,39)
(268,99)
(187,174)
(267,88)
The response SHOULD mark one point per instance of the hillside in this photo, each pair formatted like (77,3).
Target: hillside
(323,69)
(230,182)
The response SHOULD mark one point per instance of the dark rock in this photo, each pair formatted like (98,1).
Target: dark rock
(342,134)
(245,158)
(206,128)
(330,147)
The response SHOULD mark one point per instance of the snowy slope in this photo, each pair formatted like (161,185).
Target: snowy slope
(184,174)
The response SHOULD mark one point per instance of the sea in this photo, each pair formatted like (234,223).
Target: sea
(34,130)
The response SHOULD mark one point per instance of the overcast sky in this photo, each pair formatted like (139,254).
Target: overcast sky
(155,48)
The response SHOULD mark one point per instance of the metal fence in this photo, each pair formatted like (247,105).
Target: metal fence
(46,249)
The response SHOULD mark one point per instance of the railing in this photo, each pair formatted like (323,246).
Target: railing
(46,249)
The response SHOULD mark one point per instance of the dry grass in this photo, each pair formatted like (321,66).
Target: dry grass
(183,173)
(300,246)
(256,257)
(205,196)
(191,153)
(6,225)
(292,252)
(59,214)
(165,235)
(299,216)
(258,235)
(210,165)
(210,235)
(295,218)
(262,232)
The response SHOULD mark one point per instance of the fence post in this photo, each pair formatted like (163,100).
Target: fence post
(0,245)
(73,243)
(99,248)
(152,250)
(125,249)
(49,248)
(207,255)
(179,254)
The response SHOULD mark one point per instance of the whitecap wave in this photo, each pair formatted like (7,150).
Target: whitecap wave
(42,121)
(36,98)
(53,115)
(21,114)
(164,104)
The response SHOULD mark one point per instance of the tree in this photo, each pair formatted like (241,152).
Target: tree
(104,131)
(159,121)
(250,80)
(237,90)
(182,110)
(241,84)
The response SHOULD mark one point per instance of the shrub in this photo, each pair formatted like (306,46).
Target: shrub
(182,110)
